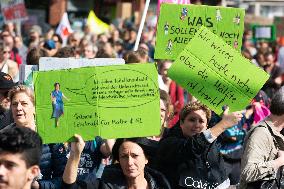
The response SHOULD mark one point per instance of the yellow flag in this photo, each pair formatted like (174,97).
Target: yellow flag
(96,25)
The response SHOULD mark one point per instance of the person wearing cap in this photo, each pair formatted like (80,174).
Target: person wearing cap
(131,172)
(6,83)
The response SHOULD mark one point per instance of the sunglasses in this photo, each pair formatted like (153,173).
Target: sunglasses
(6,52)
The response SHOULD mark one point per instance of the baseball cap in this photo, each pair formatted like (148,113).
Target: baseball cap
(6,81)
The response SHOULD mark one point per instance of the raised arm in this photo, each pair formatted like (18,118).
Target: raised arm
(228,120)
(70,172)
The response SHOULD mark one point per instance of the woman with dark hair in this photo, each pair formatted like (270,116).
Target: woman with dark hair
(57,103)
(188,155)
(131,171)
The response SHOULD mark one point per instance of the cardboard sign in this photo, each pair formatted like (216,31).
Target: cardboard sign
(13,10)
(266,33)
(26,74)
(111,102)
(177,24)
(51,63)
(216,74)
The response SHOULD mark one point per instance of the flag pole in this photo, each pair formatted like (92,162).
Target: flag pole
(141,25)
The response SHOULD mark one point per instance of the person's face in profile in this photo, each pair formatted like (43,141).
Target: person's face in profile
(57,43)
(194,123)
(4,100)
(163,112)
(164,71)
(6,53)
(14,173)
(132,159)
(23,109)
(18,42)
(269,60)
(261,60)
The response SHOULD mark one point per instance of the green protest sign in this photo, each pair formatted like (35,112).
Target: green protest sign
(216,74)
(111,102)
(264,33)
(177,24)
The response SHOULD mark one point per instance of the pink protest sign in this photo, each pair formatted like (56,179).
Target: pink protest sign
(13,10)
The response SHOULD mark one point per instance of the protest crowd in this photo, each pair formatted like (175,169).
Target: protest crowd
(196,147)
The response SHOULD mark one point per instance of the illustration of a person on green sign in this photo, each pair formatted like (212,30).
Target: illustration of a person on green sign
(57,103)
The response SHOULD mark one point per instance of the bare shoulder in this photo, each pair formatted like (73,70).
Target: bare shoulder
(12,64)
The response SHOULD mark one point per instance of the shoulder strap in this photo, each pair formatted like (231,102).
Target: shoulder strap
(280,170)
(252,130)
(272,134)
(250,133)
(269,129)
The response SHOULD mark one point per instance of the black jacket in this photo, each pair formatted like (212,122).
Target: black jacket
(6,118)
(189,162)
(114,179)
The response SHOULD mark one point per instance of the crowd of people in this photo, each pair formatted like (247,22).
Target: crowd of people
(196,148)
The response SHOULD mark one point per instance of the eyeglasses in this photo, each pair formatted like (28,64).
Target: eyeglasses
(6,52)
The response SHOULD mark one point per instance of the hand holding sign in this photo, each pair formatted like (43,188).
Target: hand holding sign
(111,102)
(77,147)
(216,74)
(230,119)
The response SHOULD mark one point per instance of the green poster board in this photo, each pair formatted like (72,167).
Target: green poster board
(177,24)
(111,102)
(264,33)
(216,74)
